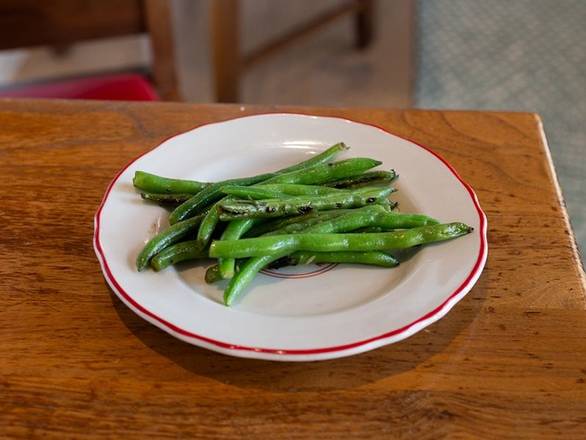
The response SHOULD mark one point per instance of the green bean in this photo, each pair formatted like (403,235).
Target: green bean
(300,226)
(376,258)
(351,220)
(166,238)
(213,192)
(293,189)
(207,226)
(367,178)
(275,224)
(186,250)
(275,191)
(164,185)
(397,220)
(209,223)
(323,157)
(259,192)
(344,221)
(371,184)
(210,195)
(252,192)
(386,204)
(232,209)
(347,221)
(374,216)
(254,247)
(213,274)
(370,229)
(314,224)
(247,272)
(163,198)
(234,230)
(323,173)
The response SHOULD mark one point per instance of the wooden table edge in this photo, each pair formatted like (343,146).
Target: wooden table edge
(562,205)
(261,108)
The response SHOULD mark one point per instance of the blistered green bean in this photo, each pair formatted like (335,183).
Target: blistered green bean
(293,189)
(324,173)
(252,192)
(213,192)
(162,198)
(232,209)
(270,245)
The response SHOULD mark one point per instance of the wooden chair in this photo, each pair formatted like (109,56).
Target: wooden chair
(228,61)
(59,23)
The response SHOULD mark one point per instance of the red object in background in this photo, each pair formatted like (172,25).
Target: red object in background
(115,87)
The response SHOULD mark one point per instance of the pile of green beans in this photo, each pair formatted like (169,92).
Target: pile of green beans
(316,211)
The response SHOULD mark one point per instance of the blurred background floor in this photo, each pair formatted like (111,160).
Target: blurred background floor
(527,55)
(323,69)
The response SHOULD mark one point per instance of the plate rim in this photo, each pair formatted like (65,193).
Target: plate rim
(356,347)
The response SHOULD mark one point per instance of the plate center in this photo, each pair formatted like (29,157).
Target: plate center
(297,291)
(305,290)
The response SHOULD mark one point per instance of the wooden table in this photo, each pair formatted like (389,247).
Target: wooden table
(509,361)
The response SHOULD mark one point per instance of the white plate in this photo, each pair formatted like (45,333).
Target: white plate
(316,312)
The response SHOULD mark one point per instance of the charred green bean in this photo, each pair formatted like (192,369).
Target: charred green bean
(293,189)
(323,173)
(232,209)
(213,192)
(163,198)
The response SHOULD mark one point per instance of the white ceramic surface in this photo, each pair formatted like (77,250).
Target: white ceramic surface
(332,312)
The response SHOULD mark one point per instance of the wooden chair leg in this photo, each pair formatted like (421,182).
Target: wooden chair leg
(364,23)
(61,50)
(160,27)
(226,58)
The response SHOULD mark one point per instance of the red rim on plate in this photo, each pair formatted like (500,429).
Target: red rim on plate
(165,325)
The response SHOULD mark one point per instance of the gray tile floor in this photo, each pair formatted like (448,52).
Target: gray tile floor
(323,69)
(520,55)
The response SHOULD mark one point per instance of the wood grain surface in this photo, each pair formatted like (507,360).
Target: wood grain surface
(509,361)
